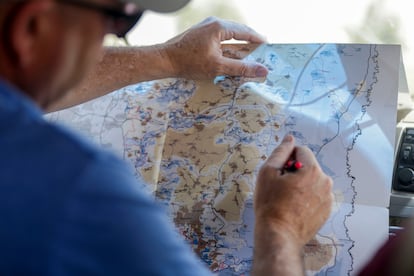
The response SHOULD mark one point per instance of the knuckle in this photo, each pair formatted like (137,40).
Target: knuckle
(315,170)
(326,188)
(211,18)
(214,22)
(266,168)
(243,70)
(220,69)
(330,183)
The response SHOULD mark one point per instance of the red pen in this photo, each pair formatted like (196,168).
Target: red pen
(292,165)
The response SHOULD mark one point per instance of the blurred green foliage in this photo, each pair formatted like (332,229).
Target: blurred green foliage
(377,26)
(197,11)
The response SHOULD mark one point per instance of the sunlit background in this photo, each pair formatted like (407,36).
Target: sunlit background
(294,21)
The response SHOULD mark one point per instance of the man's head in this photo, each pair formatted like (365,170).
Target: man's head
(47,46)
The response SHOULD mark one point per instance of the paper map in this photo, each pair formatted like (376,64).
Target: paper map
(199,146)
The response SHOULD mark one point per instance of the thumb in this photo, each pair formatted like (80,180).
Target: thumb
(239,68)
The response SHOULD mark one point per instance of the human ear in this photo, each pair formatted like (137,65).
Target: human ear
(27,28)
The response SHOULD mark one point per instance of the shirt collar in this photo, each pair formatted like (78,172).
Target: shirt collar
(14,100)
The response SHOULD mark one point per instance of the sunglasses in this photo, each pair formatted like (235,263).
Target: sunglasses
(122,18)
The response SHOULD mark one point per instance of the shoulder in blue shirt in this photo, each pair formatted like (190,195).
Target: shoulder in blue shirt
(68,208)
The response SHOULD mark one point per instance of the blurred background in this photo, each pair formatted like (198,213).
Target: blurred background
(294,21)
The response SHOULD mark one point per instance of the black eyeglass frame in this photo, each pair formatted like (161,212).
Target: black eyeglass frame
(123,18)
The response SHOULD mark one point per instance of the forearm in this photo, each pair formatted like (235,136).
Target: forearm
(276,253)
(195,54)
(119,67)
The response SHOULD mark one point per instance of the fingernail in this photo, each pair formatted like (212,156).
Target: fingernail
(261,71)
(288,138)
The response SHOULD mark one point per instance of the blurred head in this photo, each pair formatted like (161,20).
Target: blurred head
(47,46)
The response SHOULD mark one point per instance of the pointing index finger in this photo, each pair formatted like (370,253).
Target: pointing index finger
(282,153)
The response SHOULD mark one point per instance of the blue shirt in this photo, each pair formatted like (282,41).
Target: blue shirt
(67,208)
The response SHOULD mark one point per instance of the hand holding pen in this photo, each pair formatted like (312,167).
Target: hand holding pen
(293,199)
